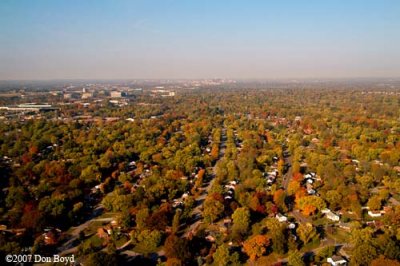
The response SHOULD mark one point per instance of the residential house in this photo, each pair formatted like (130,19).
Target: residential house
(292,226)
(332,216)
(210,238)
(281,218)
(325,211)
(51,236)
(337,260)
(375,213)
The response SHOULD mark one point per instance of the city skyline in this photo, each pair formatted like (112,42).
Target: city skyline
(191,40)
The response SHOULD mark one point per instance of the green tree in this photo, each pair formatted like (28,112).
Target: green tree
(125,219)
(325,253)
(334,198)
(101,258)
(363,254)
(146,241)
(91,174)
(221,256)
(141,217)
(212,210)
(306,232)
(277,235)
(241,221)
(295,259)
(375,203)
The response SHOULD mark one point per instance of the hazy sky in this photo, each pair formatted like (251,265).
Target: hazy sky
(199,39)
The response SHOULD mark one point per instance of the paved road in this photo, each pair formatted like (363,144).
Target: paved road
(303,219)
(288,175)
(394,201)
(127,243)
(67,247)
(300,217)
(285,183)
(199,208)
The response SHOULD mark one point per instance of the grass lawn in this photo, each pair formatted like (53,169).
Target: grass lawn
(311,245)
(341,236)
(321,221)
(96,241)
(270,259)
(122,240)
(108,215)
(93,226)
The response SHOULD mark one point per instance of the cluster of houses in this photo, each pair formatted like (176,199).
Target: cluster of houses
(95,191)
(230,190)
(179,202)
(272,174)
(372,213)
(106,231)
(308,181)
(281,218)
(51,235)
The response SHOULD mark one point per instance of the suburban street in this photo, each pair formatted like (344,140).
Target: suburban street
(197,211)
(288,175)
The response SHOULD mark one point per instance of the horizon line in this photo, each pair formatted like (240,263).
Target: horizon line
(206,78)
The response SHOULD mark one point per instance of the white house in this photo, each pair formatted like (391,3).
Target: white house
(229,187)
(375,213)
(332,216)
(336,260)
(311,191)
(281,218)
(292,226)
(326,210)
(272,173)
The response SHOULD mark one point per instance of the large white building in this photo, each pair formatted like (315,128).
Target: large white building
(116,94)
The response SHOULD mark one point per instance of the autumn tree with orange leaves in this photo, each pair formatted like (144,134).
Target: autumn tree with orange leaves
(256,246)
